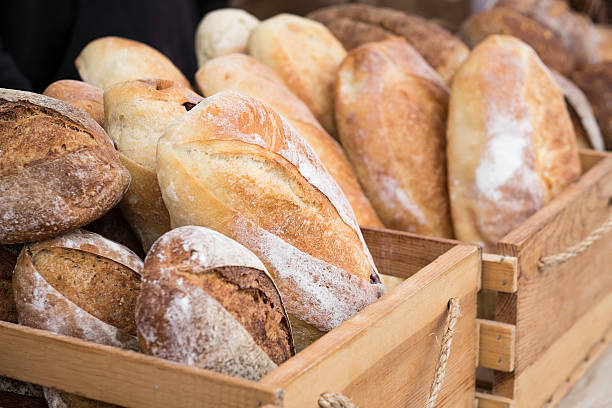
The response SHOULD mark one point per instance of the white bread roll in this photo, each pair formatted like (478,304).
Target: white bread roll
(511,145)
(109,60)
(236,166)
(222,32)
(306,55)
(137,113)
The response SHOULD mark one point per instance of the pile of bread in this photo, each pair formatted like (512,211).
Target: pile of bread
(247,199)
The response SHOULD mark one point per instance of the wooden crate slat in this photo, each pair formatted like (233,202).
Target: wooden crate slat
(497,342)
(499,273)
(493,401)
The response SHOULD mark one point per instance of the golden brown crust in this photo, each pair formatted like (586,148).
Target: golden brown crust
(244,74)
(58,168)
(357,24)
(109,60)
(508,152)
(391,115)
(502,20)
(81,95)
(8,258)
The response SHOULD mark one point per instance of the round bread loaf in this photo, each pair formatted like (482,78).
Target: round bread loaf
(109,60)
(357,24)
(209,302)
(306,56)
(246,75)
(236,166)
(391,116)
(511,146)
(502,20)
(58,168)
(8,259)
(222,32)
(81,285)
(137,112)
(84,96)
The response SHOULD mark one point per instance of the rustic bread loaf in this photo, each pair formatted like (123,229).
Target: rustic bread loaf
(509,153)
(502,20)
(81,285)
(306,56)
(604,45)
(222,32)
(137,112)
(391,116)
(596,82)
(109,60)
(8,259)
(357,24)
(58,168)
(234,165)
(209,302)
(246,75)
(82,95)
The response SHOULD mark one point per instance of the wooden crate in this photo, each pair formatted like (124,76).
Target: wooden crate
(384,356)
(550,321)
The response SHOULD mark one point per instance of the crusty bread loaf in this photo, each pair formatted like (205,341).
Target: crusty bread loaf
(246,75)
(511,146)
(82,95)
(306,56)
(236,166)
(81,285)
(8,259)
(596,82)
(391,116)
(357,24)
(137,112)
(58,168)
(604,43)
(503,20)
(109,60)
(209,302)
(222,32)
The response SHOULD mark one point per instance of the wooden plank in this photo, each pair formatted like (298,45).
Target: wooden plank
(118,376)
(499,273)
(385,356)
(589,158)
(493,401)
(536,385)
(496,347)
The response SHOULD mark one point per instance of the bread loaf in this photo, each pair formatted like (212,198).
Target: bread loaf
(246,75)
(511,146)
(58,168)
(80,285)
(113,226)
(137,112)
(596,82)
(209,302)
(306,56)
(391,115)
(236,166)
(604,45)
(502,20)
(109,60)
(357,24)
(8,259)
(222,32)
(84,96)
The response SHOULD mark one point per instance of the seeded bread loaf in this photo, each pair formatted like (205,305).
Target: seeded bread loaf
(84,96)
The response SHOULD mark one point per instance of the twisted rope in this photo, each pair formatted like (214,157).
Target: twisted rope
(334,400)
(577,249)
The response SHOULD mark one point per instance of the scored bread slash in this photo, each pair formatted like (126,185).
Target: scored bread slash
(209,302)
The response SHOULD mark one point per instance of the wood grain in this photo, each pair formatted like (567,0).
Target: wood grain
(497,345)
(493,401)
(499,273)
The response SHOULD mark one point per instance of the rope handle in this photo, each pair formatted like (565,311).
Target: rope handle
(577,249)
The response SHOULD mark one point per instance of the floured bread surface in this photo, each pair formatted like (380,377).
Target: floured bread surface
(109,60)
(511,146)
(79,285)
(58,168)
(391,115)
(306,55)
(79,94)
(234,165)
(208,301)
(137,112)
(60,399)
(246,75)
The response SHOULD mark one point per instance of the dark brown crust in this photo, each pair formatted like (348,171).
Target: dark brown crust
(501,20)
(8,259)
(596,82)
(248,294)
(58,168)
